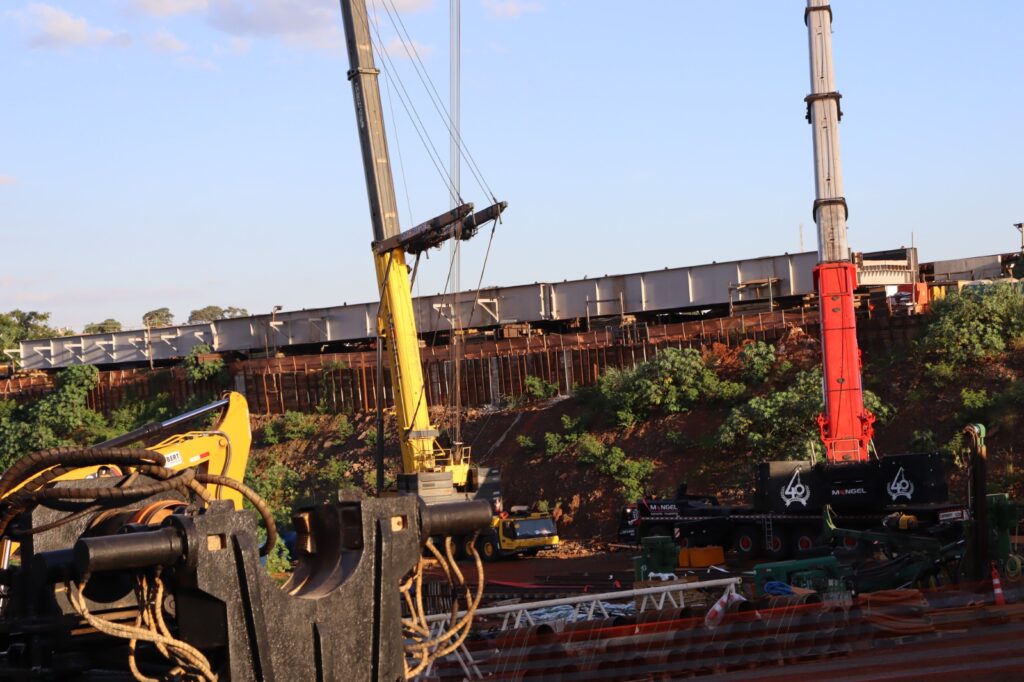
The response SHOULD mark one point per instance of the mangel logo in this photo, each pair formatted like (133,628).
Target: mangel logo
(901,486)
(843,492)
(796,491)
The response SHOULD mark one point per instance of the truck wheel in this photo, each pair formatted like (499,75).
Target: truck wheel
(805,539)
(487,546)
(747,541)
(465,547)
(778,546)
(461,544)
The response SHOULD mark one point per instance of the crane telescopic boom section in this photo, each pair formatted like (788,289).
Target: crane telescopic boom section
(396,320)
(846,425)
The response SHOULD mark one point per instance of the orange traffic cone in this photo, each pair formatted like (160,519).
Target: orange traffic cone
(997,587)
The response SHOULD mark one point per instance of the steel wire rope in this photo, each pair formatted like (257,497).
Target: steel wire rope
(445,414)
(398,144)
(435,98)
(420,132)
(391,72)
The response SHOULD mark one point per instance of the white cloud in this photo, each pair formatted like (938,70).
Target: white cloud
(7,180)
(197,63)
(165,41)
(167,8)
(238,45)
(312,24)
(511,9)
(56,29)
(307,23)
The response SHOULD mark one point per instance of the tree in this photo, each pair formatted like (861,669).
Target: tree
(210,313)
(18,325)
(161,317)
(62,417)
(107,326)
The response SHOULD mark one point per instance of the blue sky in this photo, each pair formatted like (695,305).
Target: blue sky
(189,152)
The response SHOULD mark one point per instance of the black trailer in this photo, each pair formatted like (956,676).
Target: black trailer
(785,519)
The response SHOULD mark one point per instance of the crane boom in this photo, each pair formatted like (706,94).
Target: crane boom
(396,321)
(846,425)
(396,318)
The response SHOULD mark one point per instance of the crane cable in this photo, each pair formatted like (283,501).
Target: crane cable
(410,49)
(391,73)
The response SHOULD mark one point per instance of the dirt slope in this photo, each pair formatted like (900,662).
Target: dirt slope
(587,502)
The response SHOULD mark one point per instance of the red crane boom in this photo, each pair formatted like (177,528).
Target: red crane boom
(846,425)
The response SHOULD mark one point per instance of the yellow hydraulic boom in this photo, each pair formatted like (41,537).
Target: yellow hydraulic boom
(396,328)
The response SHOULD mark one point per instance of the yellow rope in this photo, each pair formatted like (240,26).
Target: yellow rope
(180,650)
(424,652)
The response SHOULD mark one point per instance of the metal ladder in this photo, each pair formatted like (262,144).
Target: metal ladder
(769,532)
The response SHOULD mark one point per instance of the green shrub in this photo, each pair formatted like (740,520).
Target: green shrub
(782,424)
(678,439)
(941,373)
(197,369)
(554,444)
(756,360)
(136,413)
(271,433)
(539,389)
(279,486)
(572,425)
(296,425)
(526,443)
(277,561)
(328,383)
(672,382)
(923,440)
(343,428)
(975,401)
(630,474)
(332,476)
(61,417)
(589,450)
(370,437)
(975,323)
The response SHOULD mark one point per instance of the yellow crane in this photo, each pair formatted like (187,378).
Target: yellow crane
(436,473)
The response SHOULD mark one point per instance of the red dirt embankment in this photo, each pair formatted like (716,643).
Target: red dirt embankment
(586,502)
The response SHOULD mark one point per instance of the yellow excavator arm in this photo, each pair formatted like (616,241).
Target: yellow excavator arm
(222,449)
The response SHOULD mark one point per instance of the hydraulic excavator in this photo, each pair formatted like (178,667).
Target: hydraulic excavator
(436,473)
(222,450)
